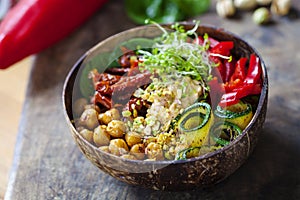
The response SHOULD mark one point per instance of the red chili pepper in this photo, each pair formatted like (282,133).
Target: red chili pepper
(33,25)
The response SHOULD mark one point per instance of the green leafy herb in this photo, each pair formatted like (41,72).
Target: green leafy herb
(164,11)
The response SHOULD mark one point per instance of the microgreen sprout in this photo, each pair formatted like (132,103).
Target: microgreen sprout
(177,52)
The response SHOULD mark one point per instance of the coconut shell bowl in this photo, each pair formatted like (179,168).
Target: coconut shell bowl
(193,173)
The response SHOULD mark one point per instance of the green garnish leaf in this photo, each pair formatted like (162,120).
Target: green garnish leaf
(164,11)
(106,60)
(99,62)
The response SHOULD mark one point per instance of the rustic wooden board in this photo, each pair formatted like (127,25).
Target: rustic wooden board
(48,164)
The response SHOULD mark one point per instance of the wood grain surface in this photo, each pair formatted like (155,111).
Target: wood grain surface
(13,83)
(48,164)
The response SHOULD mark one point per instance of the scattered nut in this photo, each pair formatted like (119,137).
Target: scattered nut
(225,8)
(263,2)
(261,15)
(263,10)
(280,7)
(245,4)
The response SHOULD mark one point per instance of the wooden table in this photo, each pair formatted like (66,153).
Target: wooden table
(48,164)
(11,103)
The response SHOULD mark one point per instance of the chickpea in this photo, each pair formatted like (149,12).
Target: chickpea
(108,116)
(89,118)
(87,134)
(128,156)
(169,154)
(116,128)
(101,136)
(118,147)
(148,140)
(154,151)
(78,106)
(79,128)
(133,138)
(138,150)
(104,148)
(93,106)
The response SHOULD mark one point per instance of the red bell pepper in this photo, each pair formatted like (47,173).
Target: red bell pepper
(235,95)
(240,87)
(240,70)
(218,52)
(33,25)
(229,69)
(220,70)
(222,48)
(212,42)
(254,70)
(238,76)
(232,80)
(217,91)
